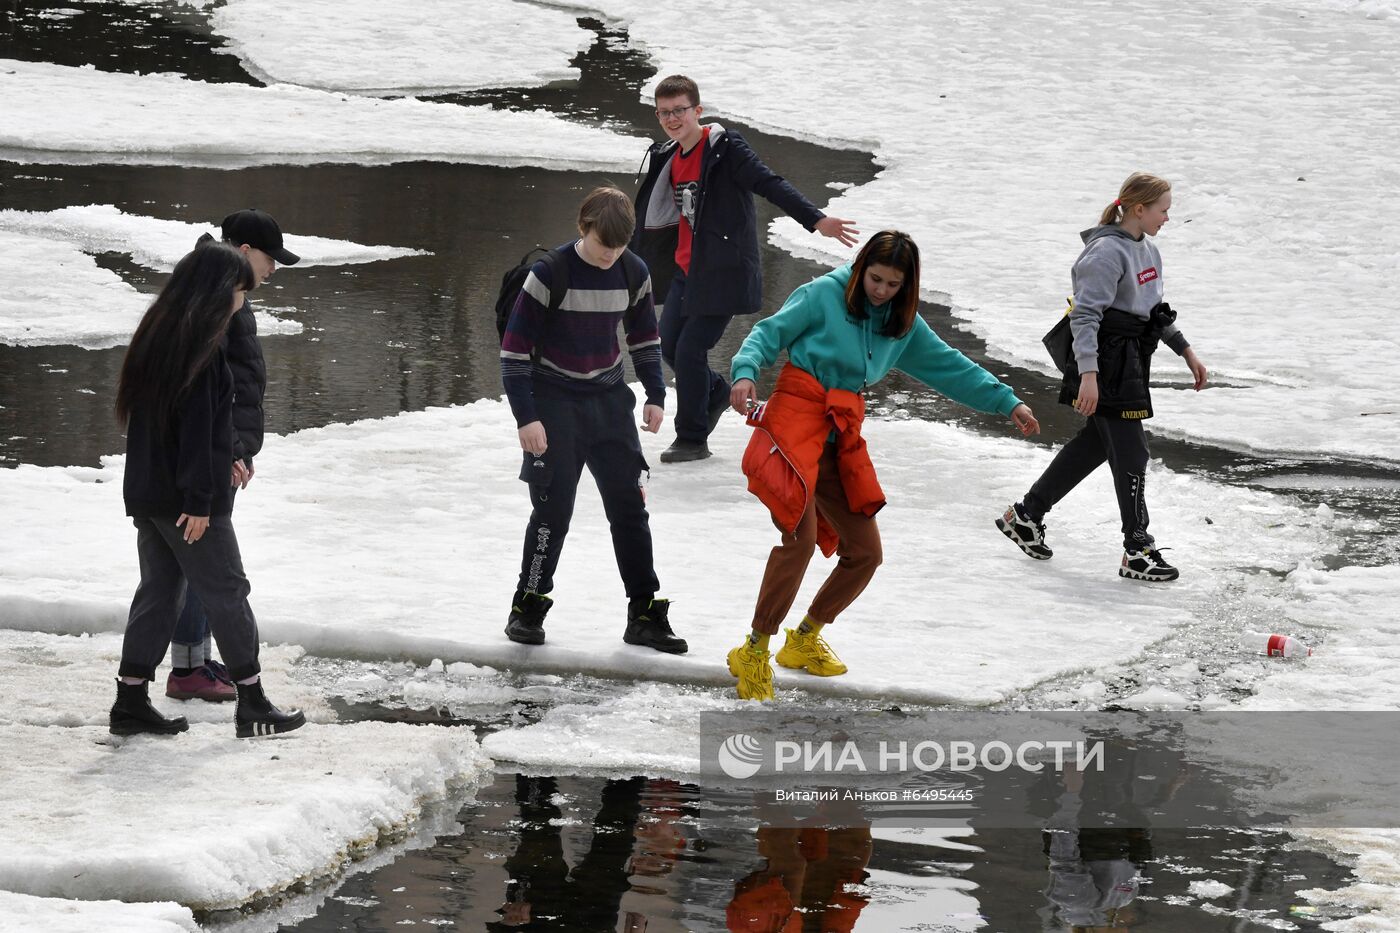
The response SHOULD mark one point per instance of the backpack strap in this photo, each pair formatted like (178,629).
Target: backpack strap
(558,265)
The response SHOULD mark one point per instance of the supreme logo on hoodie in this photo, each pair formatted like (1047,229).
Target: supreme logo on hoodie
(1147,275)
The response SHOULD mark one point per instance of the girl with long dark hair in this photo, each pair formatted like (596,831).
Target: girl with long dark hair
(175,396)
(807,460)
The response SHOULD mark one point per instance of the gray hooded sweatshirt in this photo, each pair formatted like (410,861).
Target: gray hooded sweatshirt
(1114,271)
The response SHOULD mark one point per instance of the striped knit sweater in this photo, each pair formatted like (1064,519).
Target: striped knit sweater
(578,340)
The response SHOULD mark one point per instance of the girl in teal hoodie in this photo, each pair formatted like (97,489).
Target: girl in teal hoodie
(847,330)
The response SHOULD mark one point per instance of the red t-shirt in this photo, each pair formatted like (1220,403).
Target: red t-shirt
(685,186)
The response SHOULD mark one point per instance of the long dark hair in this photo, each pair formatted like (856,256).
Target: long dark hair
(181,329)
(898,251)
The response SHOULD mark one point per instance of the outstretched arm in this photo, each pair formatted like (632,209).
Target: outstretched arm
(751,173)
(774,334)
(931,361)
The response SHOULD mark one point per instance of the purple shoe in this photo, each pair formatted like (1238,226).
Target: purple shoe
(200,684)
(219,671)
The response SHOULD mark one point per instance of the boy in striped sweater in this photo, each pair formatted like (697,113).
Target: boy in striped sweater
(562,371)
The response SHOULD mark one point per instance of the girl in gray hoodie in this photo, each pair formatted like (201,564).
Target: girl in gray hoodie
(1117,319)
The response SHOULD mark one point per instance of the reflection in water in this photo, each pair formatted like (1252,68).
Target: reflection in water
(595,855)
(1095,875)
(544,893)
(1096,872)
(811,879)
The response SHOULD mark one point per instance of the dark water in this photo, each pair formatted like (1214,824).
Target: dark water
(379,339)
(594,852)
(579,853)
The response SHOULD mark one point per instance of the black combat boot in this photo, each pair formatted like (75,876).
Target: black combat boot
(257,716)
(526,623)
(133,713)
(648,626)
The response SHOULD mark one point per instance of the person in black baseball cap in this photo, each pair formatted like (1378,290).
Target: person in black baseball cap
(258,230)
(195,674)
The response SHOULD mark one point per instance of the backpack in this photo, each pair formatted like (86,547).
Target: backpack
(514,280)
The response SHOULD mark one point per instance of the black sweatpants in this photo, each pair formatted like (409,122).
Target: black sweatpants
(596,430)
(1120,441)
(214,569)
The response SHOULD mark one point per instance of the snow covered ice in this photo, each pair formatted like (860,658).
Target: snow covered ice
(443,481)
(417,47)
(60,915)
(58,294)
(159,244)
(59,114)
(68,782)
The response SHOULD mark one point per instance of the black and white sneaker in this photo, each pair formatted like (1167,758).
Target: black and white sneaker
(1147,564)
(1024,532)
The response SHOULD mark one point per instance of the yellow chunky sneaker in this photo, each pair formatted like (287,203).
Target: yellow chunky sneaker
(750,664)
(810,652)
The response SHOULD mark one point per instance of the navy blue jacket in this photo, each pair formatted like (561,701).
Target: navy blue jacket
(725,275)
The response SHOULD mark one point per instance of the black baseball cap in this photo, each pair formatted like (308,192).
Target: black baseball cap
(257,229)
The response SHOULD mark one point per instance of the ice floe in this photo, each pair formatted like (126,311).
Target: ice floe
(403,47)
(61,114)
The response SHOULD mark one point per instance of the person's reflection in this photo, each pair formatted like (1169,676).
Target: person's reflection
(810,878)
(545,894)
(1095,873)
(659,837)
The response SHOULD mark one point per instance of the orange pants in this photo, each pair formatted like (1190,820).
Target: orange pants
(858,554)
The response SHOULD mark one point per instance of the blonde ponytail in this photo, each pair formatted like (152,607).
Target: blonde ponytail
(1140,188)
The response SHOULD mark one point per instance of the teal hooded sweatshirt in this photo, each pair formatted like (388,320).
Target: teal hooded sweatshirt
(823,339)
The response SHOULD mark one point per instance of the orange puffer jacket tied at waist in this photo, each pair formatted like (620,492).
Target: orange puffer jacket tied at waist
(790,433)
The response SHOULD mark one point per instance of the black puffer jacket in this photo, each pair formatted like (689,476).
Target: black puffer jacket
(1126,345)
(245,360)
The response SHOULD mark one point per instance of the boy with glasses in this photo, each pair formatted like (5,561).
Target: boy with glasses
(697,230)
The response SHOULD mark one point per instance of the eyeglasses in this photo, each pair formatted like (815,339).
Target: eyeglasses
(674,112)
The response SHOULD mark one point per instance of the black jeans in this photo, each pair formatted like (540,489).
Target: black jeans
(686,343)
(593,429)
(1120,441)
(214,569)
(194,624)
